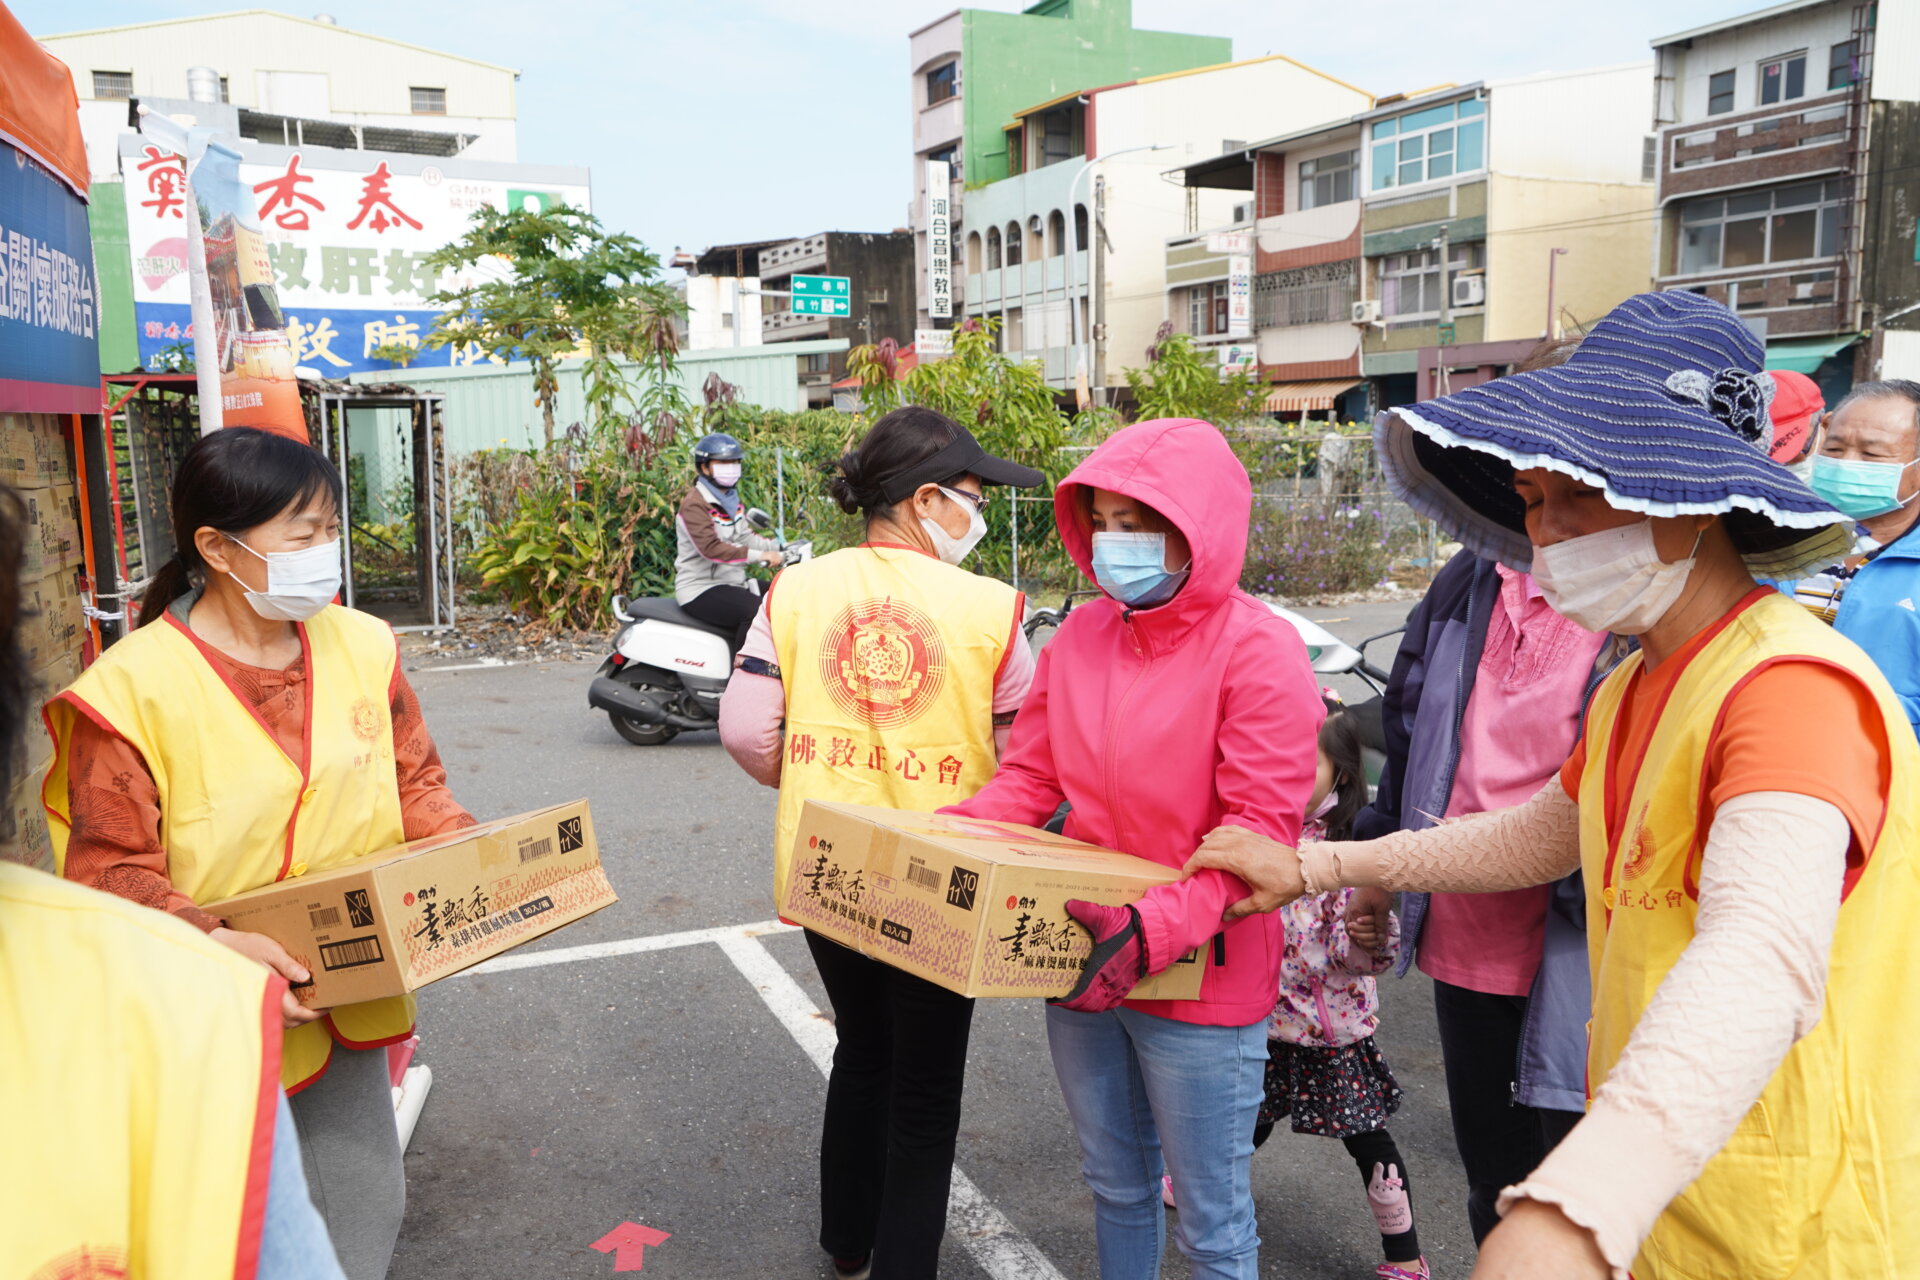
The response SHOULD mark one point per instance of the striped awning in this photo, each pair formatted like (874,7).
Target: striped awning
(1304,397)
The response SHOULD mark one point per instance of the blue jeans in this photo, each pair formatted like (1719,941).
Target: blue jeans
(293,1240)
(1138,1086)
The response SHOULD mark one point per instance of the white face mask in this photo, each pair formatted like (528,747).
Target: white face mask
(949,548)
(726,474)
(1613,580)
(299,583)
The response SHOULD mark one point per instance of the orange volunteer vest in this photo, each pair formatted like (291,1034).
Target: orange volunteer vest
(1815,1182)
(888,657)
(139,1073)
(235,812)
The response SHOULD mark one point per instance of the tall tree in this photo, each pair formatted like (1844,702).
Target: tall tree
(569,288)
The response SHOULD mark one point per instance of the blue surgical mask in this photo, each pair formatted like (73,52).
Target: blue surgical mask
(1132,568)
(1858,490)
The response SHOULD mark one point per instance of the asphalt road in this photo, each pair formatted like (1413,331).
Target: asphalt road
(669,1084)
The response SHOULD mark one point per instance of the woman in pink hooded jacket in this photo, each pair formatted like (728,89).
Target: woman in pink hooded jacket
(1176,705)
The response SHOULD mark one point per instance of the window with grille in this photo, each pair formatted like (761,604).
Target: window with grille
(1720,92)
(113,84)
(1649,158)
(225,95)
(1327,180)
(1320,294)
(429,102)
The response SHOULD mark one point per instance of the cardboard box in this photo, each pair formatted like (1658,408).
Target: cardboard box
(975,907)
(32,841)
(397,920)
(52,622)
(53,531)
(35,450)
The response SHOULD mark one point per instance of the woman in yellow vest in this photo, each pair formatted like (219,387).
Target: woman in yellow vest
(149,1137)
(248,732)
(894,671)
(1744,805)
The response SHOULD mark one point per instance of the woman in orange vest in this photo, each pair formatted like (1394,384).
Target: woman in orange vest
(1742,804)
(250,731)
(895,672)
(149,1138)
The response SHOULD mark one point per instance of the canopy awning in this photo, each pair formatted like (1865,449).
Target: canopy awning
(1804,355)
(1304,397)
(39,108)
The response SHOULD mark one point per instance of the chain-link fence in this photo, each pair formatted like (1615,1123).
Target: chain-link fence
(1324,521)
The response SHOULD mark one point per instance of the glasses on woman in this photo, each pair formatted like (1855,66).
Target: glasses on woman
(977,500)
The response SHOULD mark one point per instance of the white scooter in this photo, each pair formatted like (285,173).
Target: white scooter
(668,669)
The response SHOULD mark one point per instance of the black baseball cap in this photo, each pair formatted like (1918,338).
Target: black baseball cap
(960,455)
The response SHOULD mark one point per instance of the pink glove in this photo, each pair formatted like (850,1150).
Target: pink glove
(1119,958)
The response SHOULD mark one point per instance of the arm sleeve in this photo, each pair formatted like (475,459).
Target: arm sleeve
(1769,900)
(1534,842)
(1265,762)
(427,806)
(115,844)
(1025,788)
(697,520)
(754,707)
(1011,683)
(1399,707)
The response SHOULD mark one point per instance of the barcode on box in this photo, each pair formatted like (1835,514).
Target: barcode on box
(324,917)
(919,873)
(531,848)
(350,954)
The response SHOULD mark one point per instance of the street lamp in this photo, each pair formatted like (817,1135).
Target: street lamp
(1073,252)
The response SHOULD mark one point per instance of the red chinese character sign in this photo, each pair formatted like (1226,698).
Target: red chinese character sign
(883,663)
(347,236)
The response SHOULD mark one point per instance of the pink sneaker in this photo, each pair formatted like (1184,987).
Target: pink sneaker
(1166,1191)
(1394,1271)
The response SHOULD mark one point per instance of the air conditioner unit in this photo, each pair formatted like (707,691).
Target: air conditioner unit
(1367,311)
(1243,212)
(1469,291)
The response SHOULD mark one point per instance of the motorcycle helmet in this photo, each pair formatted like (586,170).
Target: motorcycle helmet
(718,447)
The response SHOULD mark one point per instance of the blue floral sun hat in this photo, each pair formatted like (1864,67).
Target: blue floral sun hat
(1663,407)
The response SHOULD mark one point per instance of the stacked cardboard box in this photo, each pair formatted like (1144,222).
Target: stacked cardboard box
(36,459)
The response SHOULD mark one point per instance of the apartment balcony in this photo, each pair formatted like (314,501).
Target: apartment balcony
(1772,145)
(1027,283)
(1801,298)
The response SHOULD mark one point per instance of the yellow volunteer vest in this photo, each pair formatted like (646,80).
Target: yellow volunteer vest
(1817,1179)
(139,1068)
(889,658)
(235,812)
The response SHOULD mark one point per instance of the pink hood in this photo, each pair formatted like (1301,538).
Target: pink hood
(1160,724)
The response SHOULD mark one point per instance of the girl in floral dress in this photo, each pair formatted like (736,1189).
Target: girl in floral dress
(1324,1069)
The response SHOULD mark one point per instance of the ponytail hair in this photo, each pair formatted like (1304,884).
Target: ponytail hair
(232,481)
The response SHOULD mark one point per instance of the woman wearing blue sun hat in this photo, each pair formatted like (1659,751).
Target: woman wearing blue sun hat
(1742,803)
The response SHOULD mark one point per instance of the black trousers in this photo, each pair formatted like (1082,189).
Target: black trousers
(1368,1150)
(1500,1141)
(726,607)
(893,1112)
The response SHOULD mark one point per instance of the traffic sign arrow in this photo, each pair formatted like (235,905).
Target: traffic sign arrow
(628,1244)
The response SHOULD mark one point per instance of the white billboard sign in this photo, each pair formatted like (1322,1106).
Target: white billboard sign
(939,240)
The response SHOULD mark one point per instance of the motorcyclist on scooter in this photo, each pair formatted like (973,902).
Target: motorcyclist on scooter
(717,543)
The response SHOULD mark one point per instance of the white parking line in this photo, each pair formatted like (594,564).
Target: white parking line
(998,1246)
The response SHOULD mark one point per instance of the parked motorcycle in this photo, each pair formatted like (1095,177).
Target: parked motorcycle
(668,669)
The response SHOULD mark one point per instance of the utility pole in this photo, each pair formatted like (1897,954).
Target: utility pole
(1084,372)
(1440,379)
(1553,311)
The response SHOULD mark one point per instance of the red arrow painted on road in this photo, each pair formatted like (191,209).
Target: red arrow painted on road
(628,1244)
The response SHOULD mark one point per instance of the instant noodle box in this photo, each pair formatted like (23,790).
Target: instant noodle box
(396,920)
(976,907)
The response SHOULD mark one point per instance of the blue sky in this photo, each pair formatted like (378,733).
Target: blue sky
(706,122)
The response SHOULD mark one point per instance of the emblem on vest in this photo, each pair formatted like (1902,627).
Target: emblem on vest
(882,662)
(1640,855)
(87,1263)
(367,719)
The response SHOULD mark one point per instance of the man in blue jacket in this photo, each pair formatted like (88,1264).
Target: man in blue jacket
(1865,469)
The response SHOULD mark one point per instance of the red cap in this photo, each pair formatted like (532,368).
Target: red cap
(1796,399)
